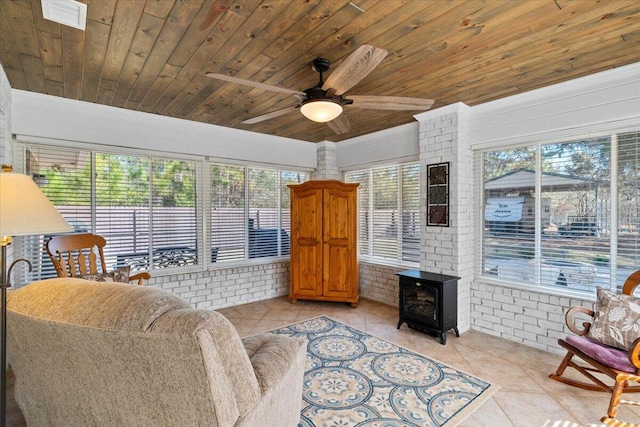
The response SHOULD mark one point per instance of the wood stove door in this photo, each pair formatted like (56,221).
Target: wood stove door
(419,303)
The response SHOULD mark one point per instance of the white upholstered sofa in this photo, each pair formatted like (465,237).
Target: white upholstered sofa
(104,354)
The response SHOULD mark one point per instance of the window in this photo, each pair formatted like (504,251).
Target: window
(141,205)
(550,213)
(389,212)
(148,205)
(250,212)
(628,183)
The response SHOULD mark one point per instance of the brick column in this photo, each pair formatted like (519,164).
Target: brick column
(449,250)
(327,167)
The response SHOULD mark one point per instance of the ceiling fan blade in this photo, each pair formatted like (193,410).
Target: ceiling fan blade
(355,68)
(270,115)
(246,82)
(340,124)
(373,102)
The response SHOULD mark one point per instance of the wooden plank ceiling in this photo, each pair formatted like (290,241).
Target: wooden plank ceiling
(152,55)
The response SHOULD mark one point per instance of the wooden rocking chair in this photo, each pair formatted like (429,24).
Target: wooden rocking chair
(77,255)
(621,366)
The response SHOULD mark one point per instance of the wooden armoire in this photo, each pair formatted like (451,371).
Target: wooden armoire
(324,238)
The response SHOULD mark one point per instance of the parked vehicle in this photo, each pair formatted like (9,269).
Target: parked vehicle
(579,226)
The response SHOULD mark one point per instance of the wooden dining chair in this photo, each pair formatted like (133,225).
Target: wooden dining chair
(596,361)
(79,255)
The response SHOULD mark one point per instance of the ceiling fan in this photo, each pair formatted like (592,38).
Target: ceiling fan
(325,101)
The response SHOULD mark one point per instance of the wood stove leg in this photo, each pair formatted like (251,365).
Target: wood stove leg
(443,337)
(455,329)
(400,324)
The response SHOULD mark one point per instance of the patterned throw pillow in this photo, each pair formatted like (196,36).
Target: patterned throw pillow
(119,275)
(617,319)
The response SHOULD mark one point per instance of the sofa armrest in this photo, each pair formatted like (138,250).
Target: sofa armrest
(272,356)
(279,364)
(570,319)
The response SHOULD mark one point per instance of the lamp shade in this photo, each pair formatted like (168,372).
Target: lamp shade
(25,210)
(321,110)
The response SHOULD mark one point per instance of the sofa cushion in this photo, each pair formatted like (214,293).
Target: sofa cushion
(94,304)
(604,354)
(617,319)
(121,275)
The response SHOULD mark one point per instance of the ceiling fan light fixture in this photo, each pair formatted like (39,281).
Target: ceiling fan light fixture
(320,110)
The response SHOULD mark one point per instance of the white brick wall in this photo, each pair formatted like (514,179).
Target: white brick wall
(379,283)
(449,250)
(221,288)
(527,317)
(327,167)
(214,289)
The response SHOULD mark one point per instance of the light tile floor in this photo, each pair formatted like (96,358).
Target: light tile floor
(527,396)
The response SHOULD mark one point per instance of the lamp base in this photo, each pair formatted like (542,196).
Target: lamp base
(4,284)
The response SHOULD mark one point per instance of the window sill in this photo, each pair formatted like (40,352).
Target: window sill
(245,263)
(389,263)
(217,266)
(566,293)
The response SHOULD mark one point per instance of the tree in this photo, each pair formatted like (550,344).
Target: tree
(500,162)
(173,183)
(227,186)
(588,160)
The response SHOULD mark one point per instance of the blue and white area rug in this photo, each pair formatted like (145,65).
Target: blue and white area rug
(353,379)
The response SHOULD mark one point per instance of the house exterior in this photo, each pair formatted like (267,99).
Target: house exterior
(595,104)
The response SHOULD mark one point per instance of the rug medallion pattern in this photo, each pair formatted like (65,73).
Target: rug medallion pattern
(353,379)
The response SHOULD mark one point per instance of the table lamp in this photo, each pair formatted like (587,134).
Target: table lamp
(24,211)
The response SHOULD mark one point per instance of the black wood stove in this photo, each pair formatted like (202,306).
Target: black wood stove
(429,302)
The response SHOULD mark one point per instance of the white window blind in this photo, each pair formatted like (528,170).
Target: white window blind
(575,227)
(286,178)
(628,197)
(563,238)
(365,220)
(64,176)
(250,212)
(228,230)
(121,208)
(140,205)
(264,200)
(410,233)
(385,212)
(174,223)
(508,238)
(389,212)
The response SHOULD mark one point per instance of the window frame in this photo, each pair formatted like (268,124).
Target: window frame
(400,190)
(202,202)
(24,245)
(481,275)
(247,259)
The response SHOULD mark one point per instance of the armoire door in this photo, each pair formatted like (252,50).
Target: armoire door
(339,243)
(306,241)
